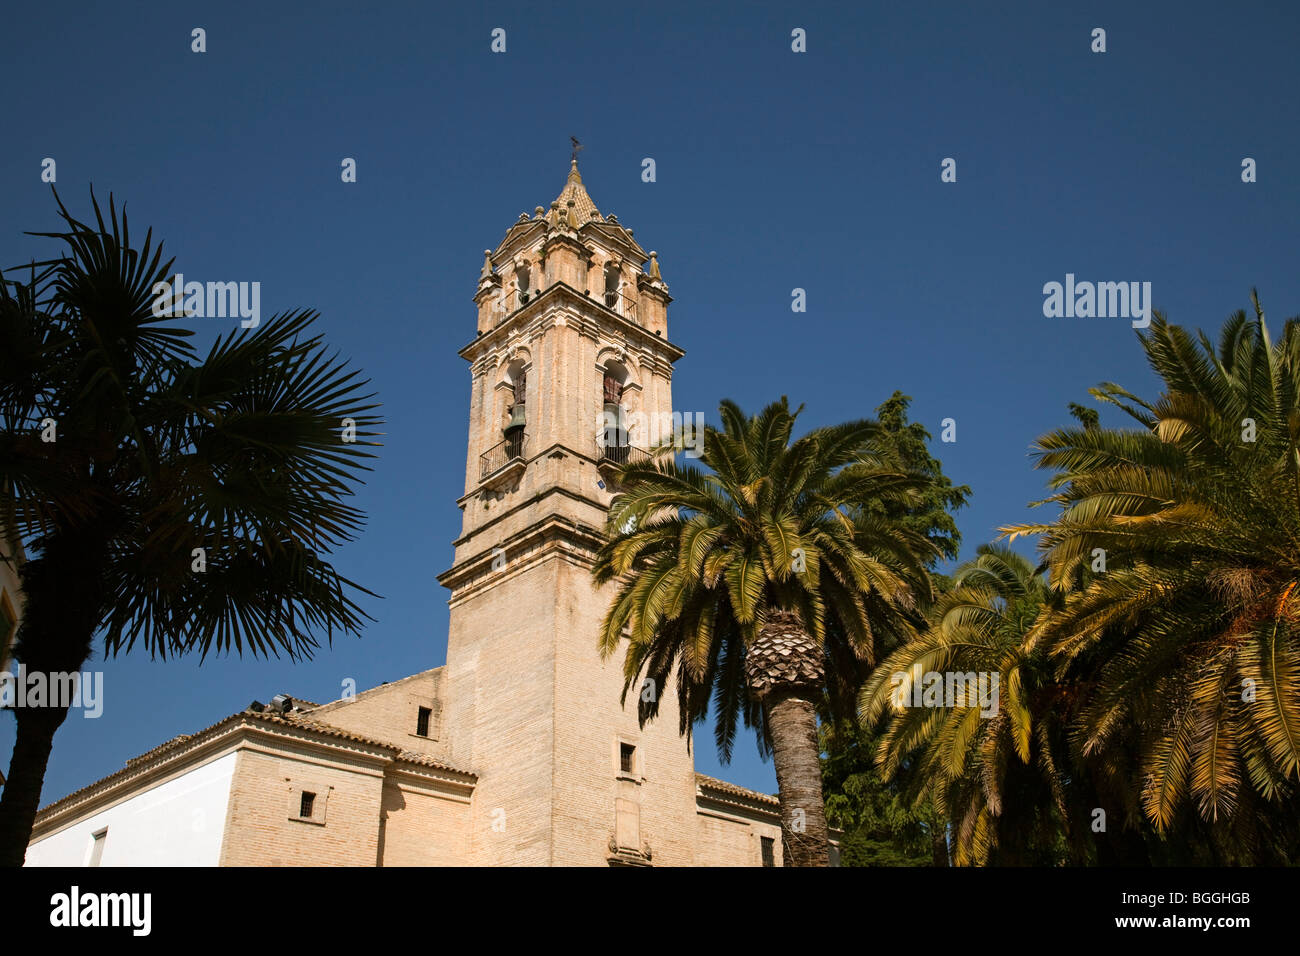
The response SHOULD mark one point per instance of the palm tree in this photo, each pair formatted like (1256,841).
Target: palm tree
(1191,622)
(999,776)
(763,583)
(184,504)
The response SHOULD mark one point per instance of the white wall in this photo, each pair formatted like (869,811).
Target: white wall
(178,823)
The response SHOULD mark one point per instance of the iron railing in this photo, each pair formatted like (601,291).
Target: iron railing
(502,454)
(620,454)
(509,301)
(618,302)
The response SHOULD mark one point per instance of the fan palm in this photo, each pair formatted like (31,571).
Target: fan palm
(1192,626)
(183,503)
(763,582)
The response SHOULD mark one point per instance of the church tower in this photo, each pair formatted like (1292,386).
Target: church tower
(571,372)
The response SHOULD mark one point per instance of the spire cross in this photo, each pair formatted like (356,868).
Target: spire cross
(576,146)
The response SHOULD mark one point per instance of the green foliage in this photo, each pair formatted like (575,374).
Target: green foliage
(1186,650)
(995,777)
(700,558)
(932,514)
(159,452)
(880,826)
(186,504)
(1151,668)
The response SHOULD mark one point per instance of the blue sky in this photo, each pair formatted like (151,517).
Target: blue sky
(775,170)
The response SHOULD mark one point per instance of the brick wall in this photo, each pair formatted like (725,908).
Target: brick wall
(265,793)
(421,825)
(389,712)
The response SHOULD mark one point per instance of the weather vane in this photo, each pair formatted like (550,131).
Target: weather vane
(576,146)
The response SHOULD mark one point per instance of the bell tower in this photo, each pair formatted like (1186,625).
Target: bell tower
(571,372)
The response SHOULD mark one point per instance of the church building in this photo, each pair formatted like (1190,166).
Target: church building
(517,750)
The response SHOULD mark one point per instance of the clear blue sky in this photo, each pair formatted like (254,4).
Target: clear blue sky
(775,171)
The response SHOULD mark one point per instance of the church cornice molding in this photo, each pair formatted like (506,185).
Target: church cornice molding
(242,731)
(549,537)
(525,238)
(549,309)
(557,490)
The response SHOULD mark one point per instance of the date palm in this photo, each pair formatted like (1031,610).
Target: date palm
(997,772)
(763,582)
(1192,630)
(178,502)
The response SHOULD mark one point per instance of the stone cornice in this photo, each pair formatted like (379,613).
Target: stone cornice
(465,499)
(549,537)
(532,319)
(722,792)
(514,240)
(616,234)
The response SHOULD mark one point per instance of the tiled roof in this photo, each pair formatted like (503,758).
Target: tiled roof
(721,786)
(136,765)
(583,206)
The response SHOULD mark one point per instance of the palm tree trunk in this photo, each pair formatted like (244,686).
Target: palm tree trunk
(938,845)
(21,796)
(792,725)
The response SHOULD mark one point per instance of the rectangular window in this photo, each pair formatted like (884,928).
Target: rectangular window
(308,804)
(422,722)
(626,758)
(769,850)
(97,846)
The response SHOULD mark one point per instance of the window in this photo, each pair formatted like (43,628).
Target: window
(614,438)
(97,846)
(307,806)
(523,279)
(626,758)
(611,285)
(422,722)
(769,850)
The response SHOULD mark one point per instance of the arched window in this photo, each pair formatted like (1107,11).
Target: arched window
(611,285)
(615,440)
(517,396)
(523,279)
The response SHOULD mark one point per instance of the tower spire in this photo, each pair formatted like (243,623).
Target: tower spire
(575,195)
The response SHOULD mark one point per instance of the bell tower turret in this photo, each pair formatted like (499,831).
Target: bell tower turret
(571,372)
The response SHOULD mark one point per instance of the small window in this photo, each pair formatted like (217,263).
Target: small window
(769,850)
(307,805)
(97,846)
(422,722)
(626,757)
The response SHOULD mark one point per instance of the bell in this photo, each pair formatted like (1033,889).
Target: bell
(516,417)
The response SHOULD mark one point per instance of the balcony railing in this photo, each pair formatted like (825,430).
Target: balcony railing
(511,300)
(501,454)
(620,303)
(620,454)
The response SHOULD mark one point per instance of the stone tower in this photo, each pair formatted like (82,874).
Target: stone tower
(571,372)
